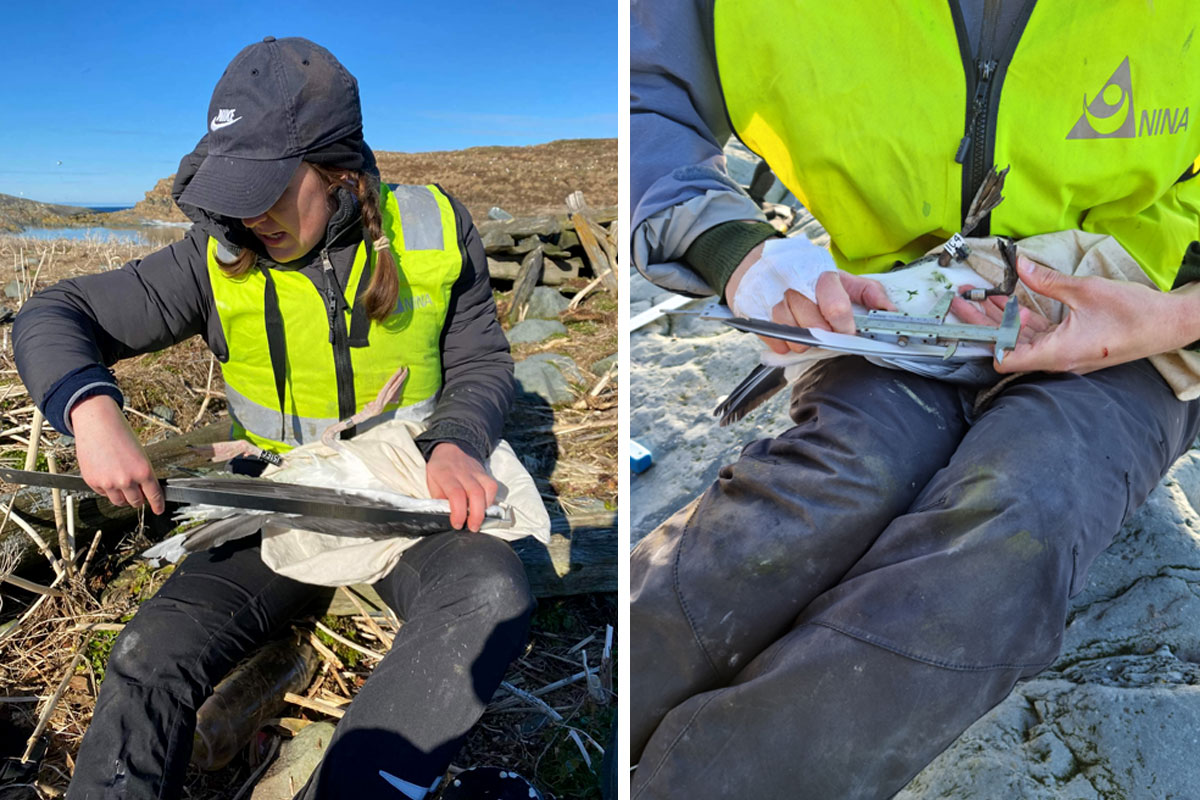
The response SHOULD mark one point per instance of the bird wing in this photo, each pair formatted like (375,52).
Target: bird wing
(755,389)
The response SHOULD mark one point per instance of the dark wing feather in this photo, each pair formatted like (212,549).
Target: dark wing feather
(755,389)
(219,531)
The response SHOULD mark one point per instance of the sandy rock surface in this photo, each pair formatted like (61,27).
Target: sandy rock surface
(679,369)
(1117,716)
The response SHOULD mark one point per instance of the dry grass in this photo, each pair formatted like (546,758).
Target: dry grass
(38,655)
(571,452)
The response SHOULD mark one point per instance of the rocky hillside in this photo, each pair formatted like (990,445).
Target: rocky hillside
(17,212)
(522,180)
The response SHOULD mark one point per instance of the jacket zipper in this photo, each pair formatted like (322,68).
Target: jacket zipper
(340,341)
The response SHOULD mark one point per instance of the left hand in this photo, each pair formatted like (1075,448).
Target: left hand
(832,310)
(1108,322)
(453,475)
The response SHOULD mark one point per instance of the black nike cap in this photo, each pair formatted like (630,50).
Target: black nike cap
(278,100)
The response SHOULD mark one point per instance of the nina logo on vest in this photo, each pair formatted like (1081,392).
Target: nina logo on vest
(1111,114)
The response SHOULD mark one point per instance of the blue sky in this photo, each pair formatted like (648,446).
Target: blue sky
(119,92)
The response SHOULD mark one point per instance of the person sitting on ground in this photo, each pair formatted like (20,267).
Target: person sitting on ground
(312,283)
(850,595)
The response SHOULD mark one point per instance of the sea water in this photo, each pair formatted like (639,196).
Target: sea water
(161,234)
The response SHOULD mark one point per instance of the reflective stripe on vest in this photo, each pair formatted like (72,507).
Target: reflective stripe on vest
(860,114)
(419,221)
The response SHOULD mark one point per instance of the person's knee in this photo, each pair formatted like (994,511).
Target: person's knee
(1012,598)
(157,649)
(493,574)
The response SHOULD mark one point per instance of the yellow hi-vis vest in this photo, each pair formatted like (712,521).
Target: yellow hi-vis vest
(861,110)
(321,351)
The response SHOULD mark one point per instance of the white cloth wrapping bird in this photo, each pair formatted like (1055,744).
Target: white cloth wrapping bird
(385,458)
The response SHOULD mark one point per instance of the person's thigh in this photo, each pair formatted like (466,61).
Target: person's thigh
(466,604)
(720,581)
(1004,534)
(209,614)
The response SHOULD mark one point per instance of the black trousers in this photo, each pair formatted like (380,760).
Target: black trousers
(465,602)
(848,597)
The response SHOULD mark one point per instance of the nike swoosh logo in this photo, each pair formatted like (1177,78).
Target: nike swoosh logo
(215,125)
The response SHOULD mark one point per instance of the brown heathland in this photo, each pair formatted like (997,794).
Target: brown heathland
(522,180)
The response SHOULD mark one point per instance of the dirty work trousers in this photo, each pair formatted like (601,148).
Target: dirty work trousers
(849,597)
(465,603)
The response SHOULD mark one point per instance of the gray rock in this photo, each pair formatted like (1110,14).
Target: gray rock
(534,330)
(496,240)
(556,251)
(564,364)
(1054,739)
(297,759)
(522,226)
(498,213)
(600,367)
(575,264)
(165,413)
(526,245)
(548,376)
(558,270)
(554,271)
(688,325)
(14,289)
(546,303)
(503,268)
(568,239)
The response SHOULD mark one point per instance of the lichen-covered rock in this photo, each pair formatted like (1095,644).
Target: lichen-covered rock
(549,376)
(602,366)
(546,303)
(535,330)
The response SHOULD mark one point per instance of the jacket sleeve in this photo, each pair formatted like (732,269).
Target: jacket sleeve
(477,369)
(679,187)
(66,336)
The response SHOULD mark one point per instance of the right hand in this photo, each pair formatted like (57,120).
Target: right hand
(835,291)
(110,457)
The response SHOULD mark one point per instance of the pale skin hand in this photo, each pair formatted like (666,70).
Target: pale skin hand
(453,475)
(110,458)
(1109,322)
(832,312)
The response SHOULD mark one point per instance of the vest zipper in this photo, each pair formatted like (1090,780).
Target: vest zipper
(985,77)
(979,129)
(340,342)
(977,124)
